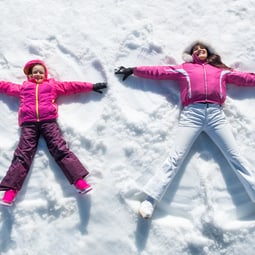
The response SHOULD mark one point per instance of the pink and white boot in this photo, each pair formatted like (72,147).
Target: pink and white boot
(82,186)
(9,197)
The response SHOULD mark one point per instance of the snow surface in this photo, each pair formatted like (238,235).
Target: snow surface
(124,135)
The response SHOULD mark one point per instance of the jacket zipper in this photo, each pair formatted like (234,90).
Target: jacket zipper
(37,102)
(205,82)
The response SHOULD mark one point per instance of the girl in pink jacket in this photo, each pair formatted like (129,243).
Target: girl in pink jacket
(38,113)
(202,82)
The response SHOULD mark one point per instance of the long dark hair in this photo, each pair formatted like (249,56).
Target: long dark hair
(212,59)
(215,60)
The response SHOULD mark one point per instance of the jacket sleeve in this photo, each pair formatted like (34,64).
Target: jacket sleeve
(72,87)
(9,88)
(158,72)
(241,78)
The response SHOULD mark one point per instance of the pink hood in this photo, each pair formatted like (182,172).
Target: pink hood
(28,66)
(38,100)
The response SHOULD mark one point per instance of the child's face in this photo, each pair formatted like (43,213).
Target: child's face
(38,73)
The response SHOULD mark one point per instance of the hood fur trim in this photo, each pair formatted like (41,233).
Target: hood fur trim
(186,55)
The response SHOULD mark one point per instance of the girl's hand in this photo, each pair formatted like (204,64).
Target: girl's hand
(125,71)
(97,87)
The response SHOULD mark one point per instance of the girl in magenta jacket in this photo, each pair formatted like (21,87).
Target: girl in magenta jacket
(202,82)
(38,113)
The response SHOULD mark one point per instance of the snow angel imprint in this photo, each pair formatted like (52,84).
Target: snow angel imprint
(202,81)
(38,114)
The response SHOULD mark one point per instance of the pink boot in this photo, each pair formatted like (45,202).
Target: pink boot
(9,197)
(82,186)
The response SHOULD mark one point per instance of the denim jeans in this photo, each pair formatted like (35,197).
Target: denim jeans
(194,119)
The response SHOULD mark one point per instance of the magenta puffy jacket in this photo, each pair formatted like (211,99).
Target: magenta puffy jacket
(38,101)
(198,82)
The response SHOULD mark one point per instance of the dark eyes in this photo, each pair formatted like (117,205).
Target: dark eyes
(37,72)
(198,48)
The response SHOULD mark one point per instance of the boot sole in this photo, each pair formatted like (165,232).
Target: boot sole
(6,204)
(83,192)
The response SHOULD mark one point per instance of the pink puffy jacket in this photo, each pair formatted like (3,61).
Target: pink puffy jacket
(199,82)
(38,100)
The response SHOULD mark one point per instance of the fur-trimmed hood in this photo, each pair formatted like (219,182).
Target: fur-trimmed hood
(187,53)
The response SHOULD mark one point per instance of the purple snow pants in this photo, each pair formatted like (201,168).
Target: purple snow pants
(25,151)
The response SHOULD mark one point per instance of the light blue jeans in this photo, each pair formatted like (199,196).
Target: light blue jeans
(194,119)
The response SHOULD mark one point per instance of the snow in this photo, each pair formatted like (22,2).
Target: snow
(124,135)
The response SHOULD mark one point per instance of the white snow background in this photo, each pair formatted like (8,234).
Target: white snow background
(124,135)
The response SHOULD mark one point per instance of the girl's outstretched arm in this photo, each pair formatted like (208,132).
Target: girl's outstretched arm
(9,88)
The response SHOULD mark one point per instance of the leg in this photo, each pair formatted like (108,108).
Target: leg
(158,184)
(220,133)
(190,126)
(67,161)
(22,159)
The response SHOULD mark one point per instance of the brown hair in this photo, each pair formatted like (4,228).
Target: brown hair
(215,60)
(212,59)
(30,69)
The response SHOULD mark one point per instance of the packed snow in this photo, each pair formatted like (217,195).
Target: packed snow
(123,135)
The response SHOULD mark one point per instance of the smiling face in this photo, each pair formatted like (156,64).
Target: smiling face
(200,51)
(38,73)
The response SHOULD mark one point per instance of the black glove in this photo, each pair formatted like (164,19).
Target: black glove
(98,86)
(125,71)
